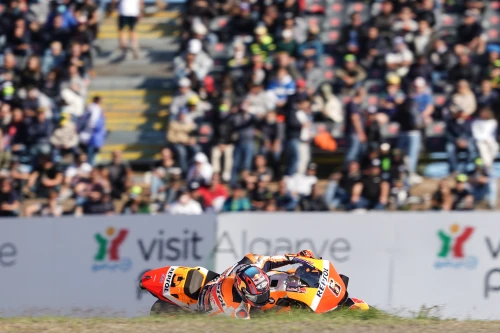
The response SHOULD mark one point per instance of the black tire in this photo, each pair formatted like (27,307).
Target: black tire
(161,308)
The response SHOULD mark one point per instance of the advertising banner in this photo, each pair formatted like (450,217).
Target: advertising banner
(91,266)
(444,264)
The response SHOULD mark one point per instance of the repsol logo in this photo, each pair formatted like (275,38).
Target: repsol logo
(8,253)
(218,291)
(336,249)
(168,280)
(171,248)
(323,281)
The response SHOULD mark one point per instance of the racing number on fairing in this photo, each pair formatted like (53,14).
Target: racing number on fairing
(335,287)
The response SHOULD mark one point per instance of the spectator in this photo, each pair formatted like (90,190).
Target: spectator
(405,25)
(215,194)
(328,104)
(180,135)
(222,143)
(195,61)
(463,70)
(312,48)
(352,75)
(137,202)
(52,208)
(283,86)
(352,35)
(45,177)
(163,173)
(257,101)
(65,137)
(237,202)
(272,138)
(241,24)
(422,38)
(53,58)
(442,60)
(442,199)
(261,194)
(458,137)
(9,199)
(462,196)
(99,203)
(285,200)
(390,99)
(421,68)
(288,44)
(400,59)
(120,175)
(243,128)
(185,204)
(488,97)
(339,190)
(180,100)
(470,32)
(300,183)
(425,12)
(201,171)
(264,44)
(385,20)
(484,132)
(373,191)
(92,129)
(304,116)
(354,127)
(130,11)
(314,202)
(39,132)
(373,49)
(464,98)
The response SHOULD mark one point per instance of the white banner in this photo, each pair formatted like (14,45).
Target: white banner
(446,262)
(91,266)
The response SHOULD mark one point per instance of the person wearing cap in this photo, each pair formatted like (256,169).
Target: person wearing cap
(390,99)
(193,61)
(287,43)
(461,194)
(137,202)
(351,75)
(400,59)
(201,171)
(180,136)
(312,48)
(129,13)
(469,33)
(179,102)
(184,204)
(263,44)
(65,138)
(237,201)
(458,137)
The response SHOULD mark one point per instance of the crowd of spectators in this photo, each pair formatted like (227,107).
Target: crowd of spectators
(46,67)
(259,88)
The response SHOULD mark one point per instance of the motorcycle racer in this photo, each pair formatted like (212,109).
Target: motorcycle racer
(243,285)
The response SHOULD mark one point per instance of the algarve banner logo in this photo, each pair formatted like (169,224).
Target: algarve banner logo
(108,255)
(452,253)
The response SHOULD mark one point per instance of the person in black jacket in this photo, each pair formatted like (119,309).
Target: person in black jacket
(459,137)
(315,202)
(243,128)
(293,128)
(222,144)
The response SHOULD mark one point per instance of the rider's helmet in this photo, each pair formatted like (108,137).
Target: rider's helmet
(252,283)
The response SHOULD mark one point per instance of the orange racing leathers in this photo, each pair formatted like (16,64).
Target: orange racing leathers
(220,297)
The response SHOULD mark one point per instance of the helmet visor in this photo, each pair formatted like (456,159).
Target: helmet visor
(261,299)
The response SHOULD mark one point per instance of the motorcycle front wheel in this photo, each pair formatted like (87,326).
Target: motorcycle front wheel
(161,308)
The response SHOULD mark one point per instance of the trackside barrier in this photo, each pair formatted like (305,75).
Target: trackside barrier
(90,266)
(447,262)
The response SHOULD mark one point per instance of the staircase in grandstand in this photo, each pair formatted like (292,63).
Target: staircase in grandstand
(136,92)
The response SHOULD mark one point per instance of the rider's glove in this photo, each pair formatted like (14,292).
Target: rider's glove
(306,253)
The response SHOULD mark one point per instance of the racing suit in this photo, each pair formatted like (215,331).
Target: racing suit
(220,297)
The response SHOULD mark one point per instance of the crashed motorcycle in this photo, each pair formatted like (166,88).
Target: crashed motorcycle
(308,284)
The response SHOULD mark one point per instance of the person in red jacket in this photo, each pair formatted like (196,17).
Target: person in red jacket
(212,193)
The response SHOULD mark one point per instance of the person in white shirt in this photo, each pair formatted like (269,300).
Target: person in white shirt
(484,131)
(305,118)
(129,13)
(301,184)
(400,60)
(185,205)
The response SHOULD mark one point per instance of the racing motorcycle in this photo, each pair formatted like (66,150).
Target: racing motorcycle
(310,284)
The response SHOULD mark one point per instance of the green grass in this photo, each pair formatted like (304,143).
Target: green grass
(297,321)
